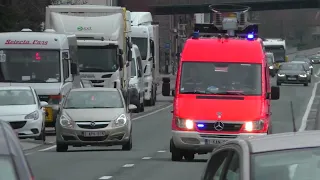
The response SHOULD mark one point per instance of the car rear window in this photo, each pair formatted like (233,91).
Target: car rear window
(7,170)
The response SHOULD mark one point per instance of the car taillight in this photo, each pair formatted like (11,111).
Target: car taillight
(55,99)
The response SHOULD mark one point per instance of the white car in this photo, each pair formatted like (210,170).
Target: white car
(22,109)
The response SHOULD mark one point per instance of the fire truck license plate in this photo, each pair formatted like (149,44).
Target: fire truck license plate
(214,141)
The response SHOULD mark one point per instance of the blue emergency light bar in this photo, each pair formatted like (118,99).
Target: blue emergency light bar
(250,32)
(200,125)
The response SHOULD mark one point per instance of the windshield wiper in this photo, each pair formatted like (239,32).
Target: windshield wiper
(194,92)
(100,107)
(8,81)
(93,69)
(34,81)
(71,108)
(229,93)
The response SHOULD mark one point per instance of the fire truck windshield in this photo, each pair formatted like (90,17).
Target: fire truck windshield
(220,78)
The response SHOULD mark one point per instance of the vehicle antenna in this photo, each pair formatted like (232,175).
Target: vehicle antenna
(293,117)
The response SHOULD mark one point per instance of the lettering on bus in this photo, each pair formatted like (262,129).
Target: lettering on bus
(34,42)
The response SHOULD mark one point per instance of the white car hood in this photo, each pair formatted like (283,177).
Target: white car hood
(41,88)
(14,110)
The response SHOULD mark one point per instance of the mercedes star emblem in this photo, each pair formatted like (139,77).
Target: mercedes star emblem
(93,124)
(219,114)
(219,126)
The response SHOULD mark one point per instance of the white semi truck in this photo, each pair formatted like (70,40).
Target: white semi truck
(145,35)
(102,38)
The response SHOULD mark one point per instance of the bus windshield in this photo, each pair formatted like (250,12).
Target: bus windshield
(278,51)
(98,58)
(30,66)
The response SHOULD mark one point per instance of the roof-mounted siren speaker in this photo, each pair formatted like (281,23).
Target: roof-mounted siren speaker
(26,30)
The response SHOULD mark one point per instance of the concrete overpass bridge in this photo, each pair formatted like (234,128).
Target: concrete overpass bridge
(166,7)
(287,23)
(201,6)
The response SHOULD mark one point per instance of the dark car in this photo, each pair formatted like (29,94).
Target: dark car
(283,156)
(307,67)
(292,73)
(315,59)
(304,59)
(13,163)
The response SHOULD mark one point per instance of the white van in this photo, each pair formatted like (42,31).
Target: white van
(136,84)
(46,61)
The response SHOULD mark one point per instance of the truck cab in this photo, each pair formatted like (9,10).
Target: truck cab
(222,92)
(223,88)
(46,61)
(101,38)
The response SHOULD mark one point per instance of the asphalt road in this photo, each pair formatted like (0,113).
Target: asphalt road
(150,157)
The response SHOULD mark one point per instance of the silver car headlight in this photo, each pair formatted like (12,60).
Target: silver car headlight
(34,115)
(66,122)
(120,121)
(281,75)
(303,75)
(270,67)
(311,67)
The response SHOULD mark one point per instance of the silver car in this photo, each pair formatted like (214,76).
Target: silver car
(94,116)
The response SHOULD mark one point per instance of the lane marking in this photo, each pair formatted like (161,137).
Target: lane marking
(128,165)
(146,157)
(137,118)
(317,74)
(162,151)
(106,177)
(48,148)
(309,107)
(154,112)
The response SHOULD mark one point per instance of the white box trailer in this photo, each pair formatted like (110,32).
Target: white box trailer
(145,35)
(102,45)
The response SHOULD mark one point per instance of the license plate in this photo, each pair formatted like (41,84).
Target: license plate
(292,78)
(49,114)
(94,134)
(214,141)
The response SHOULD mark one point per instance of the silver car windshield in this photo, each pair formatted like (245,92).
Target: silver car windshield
(16,97)
(286,165)
(93,99)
